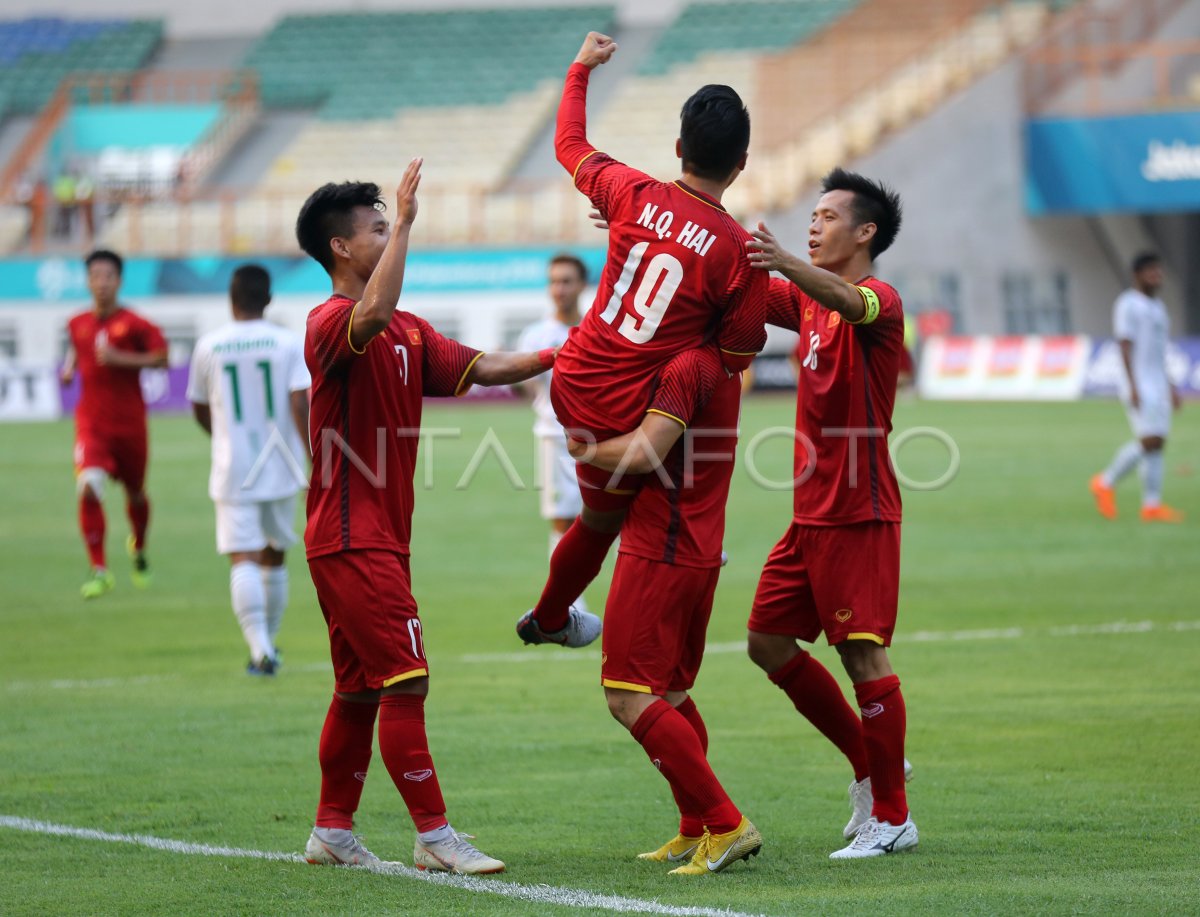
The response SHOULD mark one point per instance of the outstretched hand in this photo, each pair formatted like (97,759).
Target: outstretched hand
(597,49)
(406,192)
(764,250)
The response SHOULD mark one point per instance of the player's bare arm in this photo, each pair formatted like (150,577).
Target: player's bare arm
(637,452)
(509,368)
(107,355)
(203,415)
(597,49)
(68,368)
(382,293)
(827,288)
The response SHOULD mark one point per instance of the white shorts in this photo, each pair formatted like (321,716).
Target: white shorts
(556,479)
(254,526)
(1152,416)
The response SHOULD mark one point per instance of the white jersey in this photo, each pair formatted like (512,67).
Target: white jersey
(1143,320)
(245,372)
(549,332)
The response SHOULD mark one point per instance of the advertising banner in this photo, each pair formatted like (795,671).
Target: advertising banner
(1009,368)
(1146,163)
(1106,370)
(163,389)
(29,393)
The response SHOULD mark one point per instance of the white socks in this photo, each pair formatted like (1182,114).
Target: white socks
(249,606)
(1123,462)
(275,586)
(1152,478)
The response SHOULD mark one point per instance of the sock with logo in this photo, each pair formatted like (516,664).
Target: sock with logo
(405,752)
(345,754)
(91,524)
(1123,462)
(275,588)
(691,823)
(575,563)
(815,694)
(674,748)
(883,723)
(1152,478)
(138,512)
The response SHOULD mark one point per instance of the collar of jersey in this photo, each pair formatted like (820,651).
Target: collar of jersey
(699,195)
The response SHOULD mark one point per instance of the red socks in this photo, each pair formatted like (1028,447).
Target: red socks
(139,519)
(573,565)
(816,695)
(674,748)
(691,823)
(345,753)
(883,722)
(91,524)
(405,752)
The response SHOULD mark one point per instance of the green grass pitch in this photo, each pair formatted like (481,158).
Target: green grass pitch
(1048,660)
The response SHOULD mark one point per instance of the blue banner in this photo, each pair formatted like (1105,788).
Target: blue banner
(1106,368)
(1137,163)
(433,271)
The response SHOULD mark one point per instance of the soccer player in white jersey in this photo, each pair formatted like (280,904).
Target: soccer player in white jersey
(560,499)
(249,391)
(1141,327)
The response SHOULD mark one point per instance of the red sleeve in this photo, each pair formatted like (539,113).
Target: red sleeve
(687,383)
(151,337)
(447,362)
(743,329)
(596,174)
(329,334)
(783,304)
(882,302)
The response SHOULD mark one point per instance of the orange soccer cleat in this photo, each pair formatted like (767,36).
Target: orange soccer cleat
(1106,497)
(1161,514)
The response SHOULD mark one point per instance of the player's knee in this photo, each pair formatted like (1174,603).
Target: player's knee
(415,686)
(606,522)
(89,484)
(1153,444)
(621,706)
(770,651)
(864,660)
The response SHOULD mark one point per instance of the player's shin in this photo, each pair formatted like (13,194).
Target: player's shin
(575,563)
(345,754)
(91,526)
(884,720)
(405,752)
(816,695)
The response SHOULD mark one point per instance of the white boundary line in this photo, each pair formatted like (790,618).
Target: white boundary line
(590,656)
(541,894)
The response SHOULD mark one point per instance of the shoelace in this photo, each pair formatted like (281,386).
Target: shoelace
(461,844)
(867,835)
(358,848)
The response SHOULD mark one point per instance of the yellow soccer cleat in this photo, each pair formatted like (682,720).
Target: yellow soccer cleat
(140,574)
(678,849)
(719,851)
(100,582)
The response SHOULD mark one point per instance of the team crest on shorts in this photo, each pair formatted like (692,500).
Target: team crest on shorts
(843,614)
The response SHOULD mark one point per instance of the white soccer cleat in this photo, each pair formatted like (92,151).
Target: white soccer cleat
(337,847)
(455,853)
(582,628)
(862,800)
(876,838)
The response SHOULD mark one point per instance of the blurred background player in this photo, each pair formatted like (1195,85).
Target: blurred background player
(676,276)
(661,598)
(560,499)
(249,391)
(372,365)
(1142,328)
(109,346)
(837,568)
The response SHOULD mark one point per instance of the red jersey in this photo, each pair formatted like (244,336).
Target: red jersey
(844,401)
(111,402)
(364,424)
(681,520)
(677,276)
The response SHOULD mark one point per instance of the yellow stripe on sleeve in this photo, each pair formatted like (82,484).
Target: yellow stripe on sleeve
(349,338)
(581,162)
(460,390)
(678,420)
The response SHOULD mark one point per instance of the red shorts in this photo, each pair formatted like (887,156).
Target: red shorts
(122,457)
(840,579)
(654,625)
(603,492)
(374,633)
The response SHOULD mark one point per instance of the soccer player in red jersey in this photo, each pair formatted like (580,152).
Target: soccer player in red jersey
(371,366)
(109,346)
(662,594)
(676,277)
(837,568)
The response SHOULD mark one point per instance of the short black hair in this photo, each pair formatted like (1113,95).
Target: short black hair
(1145,260)
(714,131)
(874,202)
(104,254)
(574,260)
(328,214)
(250,288)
